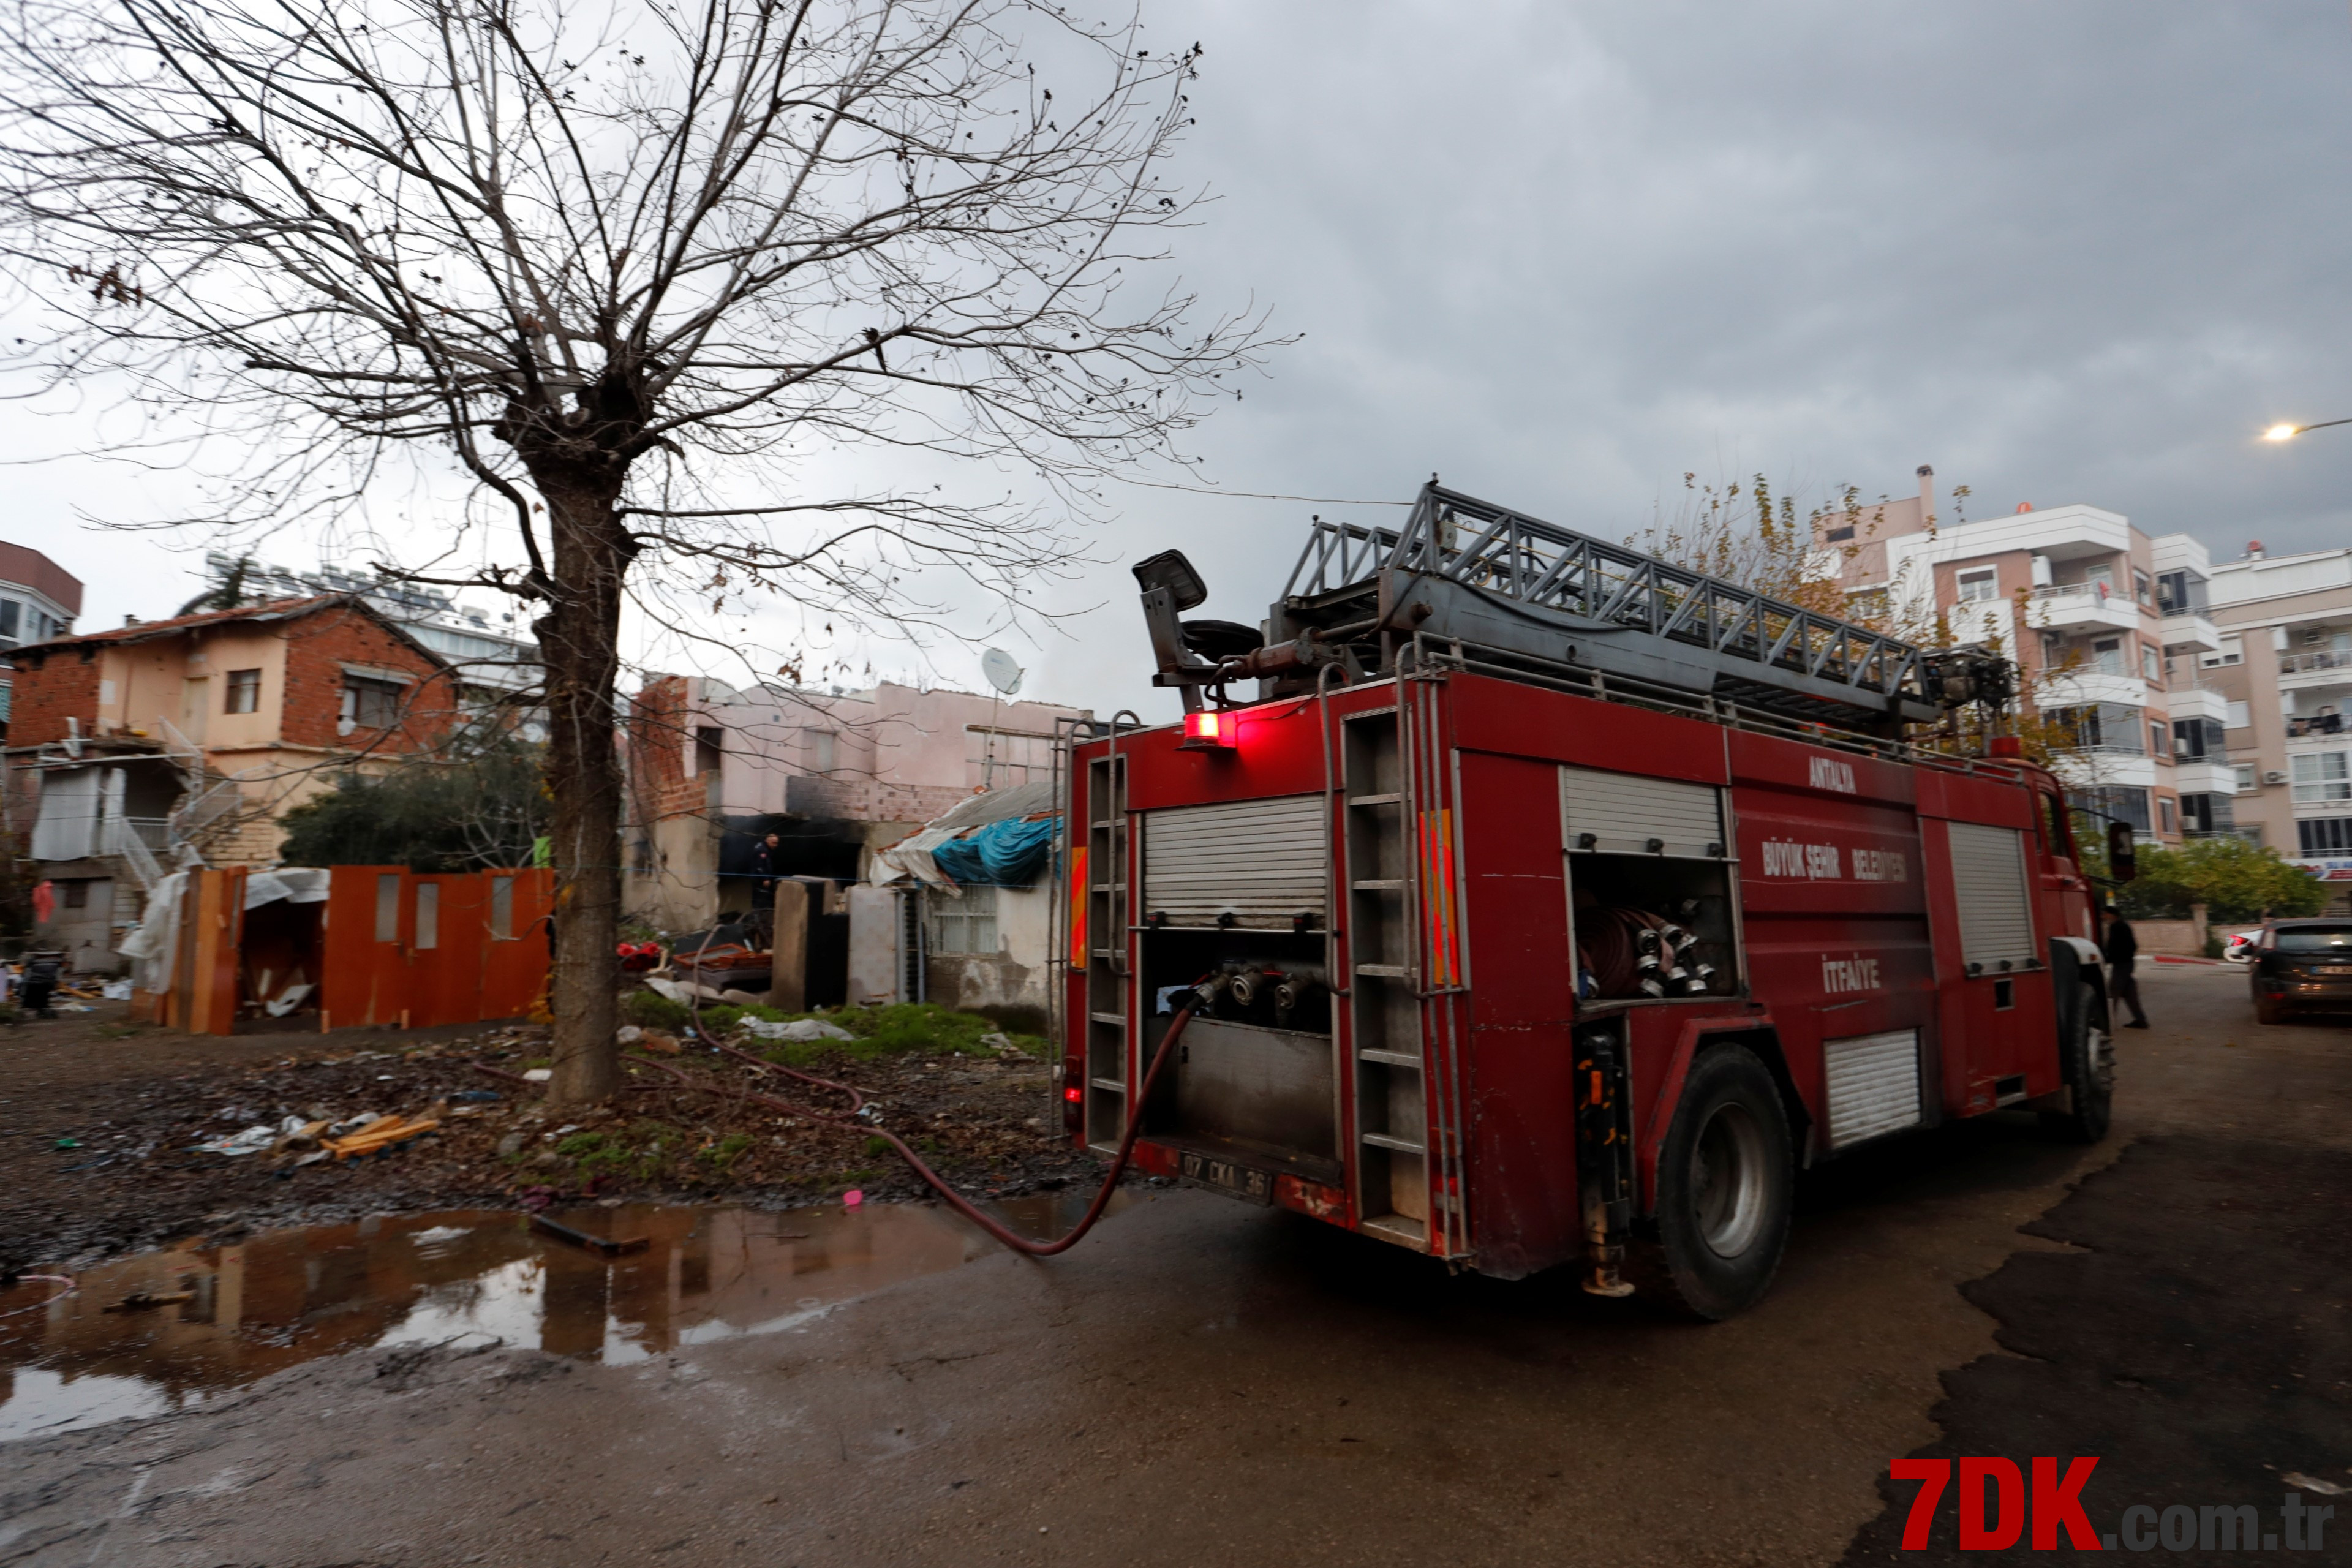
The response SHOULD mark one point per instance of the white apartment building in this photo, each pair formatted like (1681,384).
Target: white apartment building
(2285,666)
(2110,629)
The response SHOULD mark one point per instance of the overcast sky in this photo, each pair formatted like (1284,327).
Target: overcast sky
(2068,251)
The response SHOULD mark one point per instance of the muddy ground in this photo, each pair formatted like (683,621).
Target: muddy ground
(98,1120)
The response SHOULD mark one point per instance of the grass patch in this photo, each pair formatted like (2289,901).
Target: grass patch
(877,1146)
(652,1010)
(727,1151)
(919,1026)
(641,1152)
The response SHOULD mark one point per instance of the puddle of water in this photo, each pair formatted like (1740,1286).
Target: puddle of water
(276,1299)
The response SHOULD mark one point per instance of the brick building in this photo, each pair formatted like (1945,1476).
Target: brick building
(834,774)
(130,747)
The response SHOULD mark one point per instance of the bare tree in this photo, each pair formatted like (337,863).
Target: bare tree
(628,270)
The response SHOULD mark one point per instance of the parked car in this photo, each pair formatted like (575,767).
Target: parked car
(2239,945)
(2297,965)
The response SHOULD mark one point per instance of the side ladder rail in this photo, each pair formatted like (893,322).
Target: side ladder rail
(1109,988)
(1387,1062)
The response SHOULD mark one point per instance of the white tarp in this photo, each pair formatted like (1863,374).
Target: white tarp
(153,943)
(295,884)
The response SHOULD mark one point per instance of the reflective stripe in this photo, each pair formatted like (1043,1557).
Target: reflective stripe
(1439,928)
(1080,891)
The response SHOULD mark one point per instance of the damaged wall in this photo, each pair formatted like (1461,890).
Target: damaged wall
(1013,983)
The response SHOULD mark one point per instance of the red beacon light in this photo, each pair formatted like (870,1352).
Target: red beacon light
(1211,730)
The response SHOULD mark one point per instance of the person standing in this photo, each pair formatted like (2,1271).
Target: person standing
(2122,950)
(767,863)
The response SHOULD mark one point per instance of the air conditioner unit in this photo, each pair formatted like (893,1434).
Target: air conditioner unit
(2273,775)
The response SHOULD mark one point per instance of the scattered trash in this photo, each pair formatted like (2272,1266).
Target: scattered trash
(252,1141)
(741,998)
(604,1245)
(115,991)
(64,1144)
(511,1144)
(143,1301)
(798,1029)
(537,1074)
(629,1034)
(2313,1484)
(477,1097)
(655,1040)
(852,1198)
(287,1000)
(383,1133)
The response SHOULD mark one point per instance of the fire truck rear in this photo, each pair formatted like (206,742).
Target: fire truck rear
(1548,903)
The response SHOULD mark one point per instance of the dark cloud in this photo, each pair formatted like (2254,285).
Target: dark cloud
(2079,252)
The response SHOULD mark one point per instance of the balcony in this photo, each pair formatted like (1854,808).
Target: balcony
(2204,776)
(2187,628)
(2197,700)
(2319,732)
(2095,765)
(2301,671)
(2083,607)
(2093,683)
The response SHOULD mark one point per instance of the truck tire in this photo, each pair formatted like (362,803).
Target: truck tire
(2087,1061)
(2269,1010)
(1727,1185)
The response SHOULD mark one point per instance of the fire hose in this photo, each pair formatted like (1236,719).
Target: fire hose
(848,1121)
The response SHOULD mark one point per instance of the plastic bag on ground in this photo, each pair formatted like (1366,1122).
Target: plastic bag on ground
(798,1029)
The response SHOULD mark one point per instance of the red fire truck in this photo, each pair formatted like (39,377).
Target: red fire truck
(1548,903)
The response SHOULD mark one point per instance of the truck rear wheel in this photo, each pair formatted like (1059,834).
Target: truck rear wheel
(1727,1181)
(2087,1061)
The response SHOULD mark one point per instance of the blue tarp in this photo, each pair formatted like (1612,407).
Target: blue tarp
(1001,855)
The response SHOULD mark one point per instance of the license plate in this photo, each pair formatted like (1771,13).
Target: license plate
(1241,1180)
(2334,969)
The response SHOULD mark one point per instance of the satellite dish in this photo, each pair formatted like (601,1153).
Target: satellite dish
(1002,672)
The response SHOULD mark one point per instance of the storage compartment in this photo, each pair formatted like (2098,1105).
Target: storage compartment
(1649,927)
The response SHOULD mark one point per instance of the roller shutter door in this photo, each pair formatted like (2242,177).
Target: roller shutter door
(1623,811)
(1989,876)
(1263,862)
(1873,1085)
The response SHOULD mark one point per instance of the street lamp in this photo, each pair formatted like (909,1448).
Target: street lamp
(2289,432)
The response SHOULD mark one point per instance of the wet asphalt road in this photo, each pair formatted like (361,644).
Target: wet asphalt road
(1205,1383)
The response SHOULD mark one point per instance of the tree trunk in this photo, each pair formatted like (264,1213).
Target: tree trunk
(579,640)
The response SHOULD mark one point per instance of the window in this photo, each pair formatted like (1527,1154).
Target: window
(1979,585)
(2321,776)
(9,611)
(77,895)
(2181,593)
(2206,813)
(1000,758)
(2107,655)
(429,915)
(2194,740)
(2140,587)
(387,908)
(824,750)
(964,925)
(2325,836)
(2241,716)
(2171,823)
(2246,780)
(709,748)
(2151,664)
(2233,651)
(1839,535)
(501,908)
(243,694)
(2062,844)
(370,704)
(2126,805)
(2157,739)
